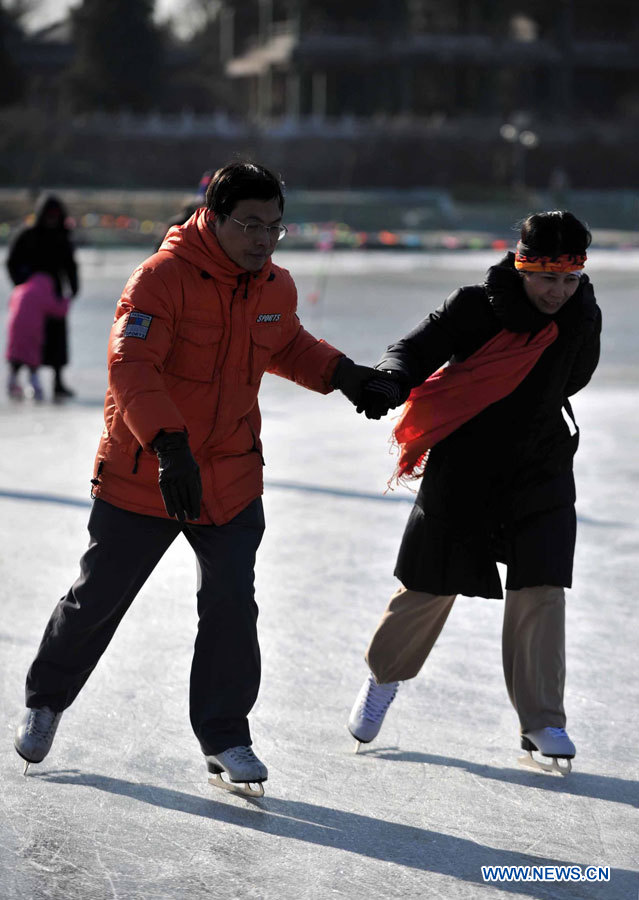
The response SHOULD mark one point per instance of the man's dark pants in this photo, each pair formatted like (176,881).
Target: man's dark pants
(124,548)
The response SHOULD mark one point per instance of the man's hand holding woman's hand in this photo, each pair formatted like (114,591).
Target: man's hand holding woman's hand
(384,392)
(372,391)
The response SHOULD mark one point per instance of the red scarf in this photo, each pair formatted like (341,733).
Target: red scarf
(455,393)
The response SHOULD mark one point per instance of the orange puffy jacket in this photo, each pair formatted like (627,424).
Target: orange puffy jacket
(193,335)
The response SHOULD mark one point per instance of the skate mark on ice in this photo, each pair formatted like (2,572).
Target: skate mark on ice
(335,491)
(601,523)
(405,845)
(398,498)
(38,497)
(34,497)
(107,873)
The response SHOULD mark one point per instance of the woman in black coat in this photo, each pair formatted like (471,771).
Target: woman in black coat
(500,486)
(45,246)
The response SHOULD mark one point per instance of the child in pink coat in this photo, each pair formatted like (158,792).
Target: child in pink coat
(30,303)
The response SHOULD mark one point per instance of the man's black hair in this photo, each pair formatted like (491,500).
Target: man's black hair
(242,181)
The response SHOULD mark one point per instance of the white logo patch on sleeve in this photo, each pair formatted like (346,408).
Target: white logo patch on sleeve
(138,325)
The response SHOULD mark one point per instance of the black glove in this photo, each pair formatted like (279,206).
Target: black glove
(179,475)
(387,390)
(351,379)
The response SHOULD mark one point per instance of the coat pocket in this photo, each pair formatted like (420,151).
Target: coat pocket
(120,434)
(195,352)
(265,341)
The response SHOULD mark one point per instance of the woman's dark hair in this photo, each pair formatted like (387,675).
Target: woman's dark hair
(554,234)
(242,181)
(47,204)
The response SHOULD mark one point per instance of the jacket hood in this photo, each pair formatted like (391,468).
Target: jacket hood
(514,310)
(196,242)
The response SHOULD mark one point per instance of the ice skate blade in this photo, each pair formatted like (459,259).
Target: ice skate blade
(358,742)
(26,767)
(528,761)
(244,790)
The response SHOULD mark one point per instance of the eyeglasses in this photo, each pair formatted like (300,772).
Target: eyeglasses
(253,229)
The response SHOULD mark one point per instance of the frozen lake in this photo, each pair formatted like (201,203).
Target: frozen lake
(121,808)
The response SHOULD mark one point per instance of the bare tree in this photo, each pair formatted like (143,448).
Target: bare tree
(119,56)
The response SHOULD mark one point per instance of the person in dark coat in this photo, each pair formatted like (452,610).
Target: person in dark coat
(46,247)
(190,206)
(492,436)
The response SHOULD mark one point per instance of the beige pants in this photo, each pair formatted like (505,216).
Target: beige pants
(533,647)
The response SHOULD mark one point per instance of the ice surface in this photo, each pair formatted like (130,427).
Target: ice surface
(121,807)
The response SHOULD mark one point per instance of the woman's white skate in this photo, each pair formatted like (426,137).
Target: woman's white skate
(245,772)
(369,709)
(550,742)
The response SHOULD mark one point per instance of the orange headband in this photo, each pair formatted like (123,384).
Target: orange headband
(527,261)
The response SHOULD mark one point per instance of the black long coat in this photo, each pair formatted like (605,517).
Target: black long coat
(40,249)
(501,487)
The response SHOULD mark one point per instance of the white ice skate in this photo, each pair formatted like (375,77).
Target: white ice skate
(243,769)
(369,709)
(550,742)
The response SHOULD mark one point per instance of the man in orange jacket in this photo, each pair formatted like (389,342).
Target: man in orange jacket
(197,325)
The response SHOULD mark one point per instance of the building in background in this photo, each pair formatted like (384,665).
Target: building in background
(433,58)
(334,93)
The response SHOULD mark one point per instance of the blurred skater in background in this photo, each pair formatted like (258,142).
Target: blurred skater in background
(29,306)
(492,437)
(45,247)
(191,205)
